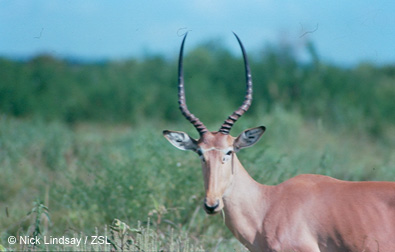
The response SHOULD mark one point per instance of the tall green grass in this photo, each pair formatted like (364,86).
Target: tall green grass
(90,174)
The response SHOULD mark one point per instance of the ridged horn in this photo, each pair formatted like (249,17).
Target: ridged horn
(181,95)
(227,125)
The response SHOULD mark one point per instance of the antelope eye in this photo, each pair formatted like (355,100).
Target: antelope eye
(200,153)
(227,156)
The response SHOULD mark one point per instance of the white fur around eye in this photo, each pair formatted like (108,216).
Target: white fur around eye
(227,156)
(225,159)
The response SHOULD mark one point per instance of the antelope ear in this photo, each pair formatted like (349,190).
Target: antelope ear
(180,140)
(248,138)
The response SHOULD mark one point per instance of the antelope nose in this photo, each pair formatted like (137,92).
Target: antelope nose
(210,208)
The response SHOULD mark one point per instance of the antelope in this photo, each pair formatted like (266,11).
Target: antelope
(307,213)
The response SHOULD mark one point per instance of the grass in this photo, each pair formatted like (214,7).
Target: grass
(75,181)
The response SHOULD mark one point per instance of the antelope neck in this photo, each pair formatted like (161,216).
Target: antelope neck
(245,206)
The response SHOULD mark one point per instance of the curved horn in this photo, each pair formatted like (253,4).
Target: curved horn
(227,125)
(181,95)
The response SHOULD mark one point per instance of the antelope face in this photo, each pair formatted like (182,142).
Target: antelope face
(216,151)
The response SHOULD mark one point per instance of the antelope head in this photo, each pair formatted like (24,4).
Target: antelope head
(217,149)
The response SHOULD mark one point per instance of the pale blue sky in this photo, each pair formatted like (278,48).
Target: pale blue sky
(346,32)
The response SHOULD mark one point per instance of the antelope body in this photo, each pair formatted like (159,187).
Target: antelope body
(307,213)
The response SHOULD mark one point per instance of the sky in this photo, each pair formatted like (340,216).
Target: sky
(344,32)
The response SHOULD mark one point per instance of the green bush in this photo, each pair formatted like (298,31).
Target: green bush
(138,89)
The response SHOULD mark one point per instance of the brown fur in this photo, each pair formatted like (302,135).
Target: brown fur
(307,213)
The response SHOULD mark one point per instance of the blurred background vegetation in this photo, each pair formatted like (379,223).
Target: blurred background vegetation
(134,90)
(84,138)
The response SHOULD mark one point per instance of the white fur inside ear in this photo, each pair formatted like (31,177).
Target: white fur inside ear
(180,140)
(251,136)
(248,137)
